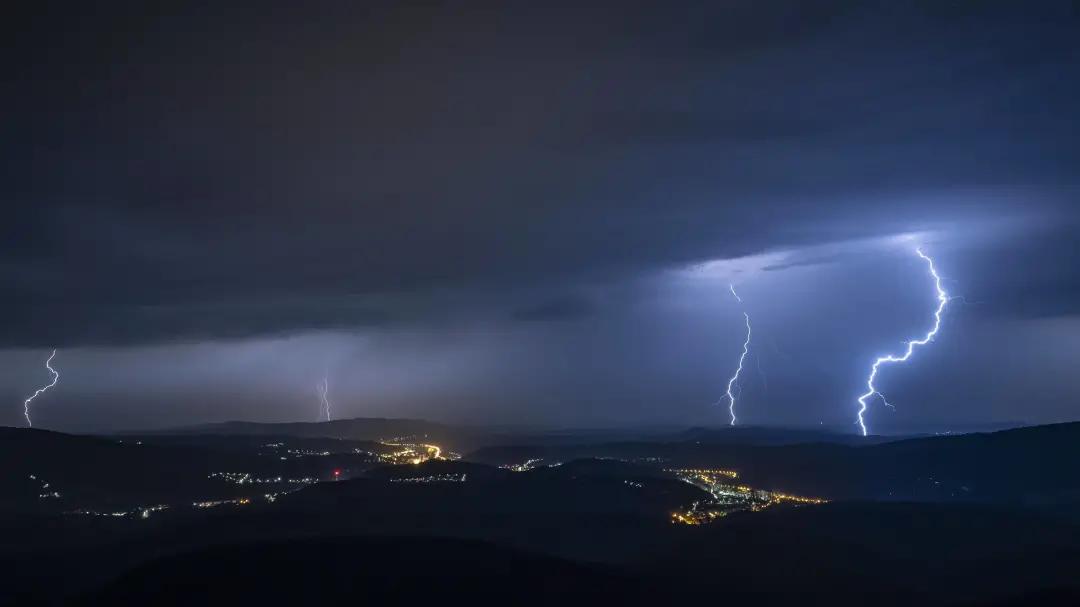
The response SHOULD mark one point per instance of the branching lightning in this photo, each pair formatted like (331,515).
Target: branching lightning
(40,391)
(323,388)
(746,349)
(871,390)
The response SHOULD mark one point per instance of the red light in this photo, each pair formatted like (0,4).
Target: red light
(337,472)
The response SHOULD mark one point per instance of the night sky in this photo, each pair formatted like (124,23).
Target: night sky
(531,212)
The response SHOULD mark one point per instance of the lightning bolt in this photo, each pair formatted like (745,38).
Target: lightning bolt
(323,388)
(871,390)
(40,391)
(732,287)
(745,350)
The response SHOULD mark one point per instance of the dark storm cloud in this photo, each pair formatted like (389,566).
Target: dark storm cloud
(1033,278)
(563,308)
(684,127)
(198,174)
(122,324)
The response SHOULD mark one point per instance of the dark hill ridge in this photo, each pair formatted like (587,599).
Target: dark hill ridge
(570,489)
(437,468)
(882,554)
(102,473)
(371,570)
(764,436)
(1031,466)
(594,467)
(1034,465)
(588,468)
(449,437)
(118,474)
(473,437)
(837,554)
(591,516)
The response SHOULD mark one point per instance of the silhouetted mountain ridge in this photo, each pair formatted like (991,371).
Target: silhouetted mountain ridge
(1033,465)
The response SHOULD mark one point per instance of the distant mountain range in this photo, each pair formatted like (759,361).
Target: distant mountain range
(360,428)
(475,436)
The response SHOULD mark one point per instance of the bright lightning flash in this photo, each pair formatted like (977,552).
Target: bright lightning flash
(323,388)
(40,391)
(871,390)
(742,358)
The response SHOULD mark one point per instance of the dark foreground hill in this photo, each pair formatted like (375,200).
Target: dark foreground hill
(842,554)
(846,554)
(365,571)
(883,554)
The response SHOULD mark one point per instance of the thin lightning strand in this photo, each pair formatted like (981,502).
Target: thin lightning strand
(40,391)
(943,299)
(734,378)
(323,389)
(745,350)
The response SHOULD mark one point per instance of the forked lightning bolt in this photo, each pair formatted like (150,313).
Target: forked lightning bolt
(40,391)
(323,388)
(871,390)
(742,358)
